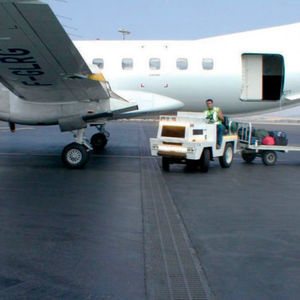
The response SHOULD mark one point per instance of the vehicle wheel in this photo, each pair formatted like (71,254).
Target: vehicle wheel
(98,141)
(248,157)
(227,158)
(75,156)
(269,158)
(166,164)
(204,161)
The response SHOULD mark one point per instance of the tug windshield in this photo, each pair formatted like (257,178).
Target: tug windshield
(173,131)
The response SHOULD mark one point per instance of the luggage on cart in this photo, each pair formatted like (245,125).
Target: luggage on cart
(261,133)
(275,141)
(280,138)
(268,140)
(281,141)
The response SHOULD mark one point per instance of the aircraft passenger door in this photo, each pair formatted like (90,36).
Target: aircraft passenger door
(252,77)
(262,77)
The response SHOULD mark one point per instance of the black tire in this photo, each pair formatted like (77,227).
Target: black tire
(75,156)
(98,141)
(227,158)
(165,164)
(204,161)
(248,157)
(269,158)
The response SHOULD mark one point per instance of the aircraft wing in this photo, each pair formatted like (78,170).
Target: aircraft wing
(38,60)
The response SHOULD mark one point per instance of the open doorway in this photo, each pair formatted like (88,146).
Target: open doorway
(263,77)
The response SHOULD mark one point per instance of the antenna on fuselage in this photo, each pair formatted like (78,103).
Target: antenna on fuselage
(124,32)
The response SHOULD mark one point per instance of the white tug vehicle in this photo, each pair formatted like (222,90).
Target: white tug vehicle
(189,139)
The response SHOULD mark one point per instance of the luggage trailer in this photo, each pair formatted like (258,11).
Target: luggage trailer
(189,139)
(250,150)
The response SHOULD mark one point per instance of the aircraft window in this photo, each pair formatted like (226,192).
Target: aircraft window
(99,62)
(127,63)
(154,63)
(182,63)
(207,63)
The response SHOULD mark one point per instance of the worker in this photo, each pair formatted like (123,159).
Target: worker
(214,115)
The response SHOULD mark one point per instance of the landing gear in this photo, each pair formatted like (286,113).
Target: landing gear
(77,154)
(100,139)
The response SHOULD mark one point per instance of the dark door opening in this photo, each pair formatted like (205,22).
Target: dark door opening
(263,77)
(272,77)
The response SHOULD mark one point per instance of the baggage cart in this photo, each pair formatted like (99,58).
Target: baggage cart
(250,149)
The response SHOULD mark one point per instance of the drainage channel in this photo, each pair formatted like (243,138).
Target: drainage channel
(172,268)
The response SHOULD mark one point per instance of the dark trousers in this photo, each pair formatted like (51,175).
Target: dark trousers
(220,132)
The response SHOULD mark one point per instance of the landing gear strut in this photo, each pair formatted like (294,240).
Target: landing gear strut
(100,139)
(76,155)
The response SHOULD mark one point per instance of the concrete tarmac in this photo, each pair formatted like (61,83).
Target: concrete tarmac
(123,229)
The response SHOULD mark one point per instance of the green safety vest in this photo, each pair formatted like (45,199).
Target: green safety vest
(213,115)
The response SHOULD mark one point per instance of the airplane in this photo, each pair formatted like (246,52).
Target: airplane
(47,79)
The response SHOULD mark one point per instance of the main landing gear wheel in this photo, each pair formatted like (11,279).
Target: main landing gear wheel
(227,158)
(75,156)
(98,141)
(269,158)
(248,157)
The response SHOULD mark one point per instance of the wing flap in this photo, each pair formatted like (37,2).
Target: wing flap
(37,57)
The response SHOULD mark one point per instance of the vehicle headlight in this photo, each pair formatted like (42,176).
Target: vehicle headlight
(168,148)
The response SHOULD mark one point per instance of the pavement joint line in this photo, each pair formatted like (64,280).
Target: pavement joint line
(143,182)
(173,238)
(197,263)
(161,241)
(143,228)
(192,251)
(180,257)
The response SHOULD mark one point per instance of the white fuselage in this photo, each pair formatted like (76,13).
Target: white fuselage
(210,68)
(193,85)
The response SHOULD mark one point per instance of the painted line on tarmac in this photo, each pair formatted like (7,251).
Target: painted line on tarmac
(122,156)
(239,160)
(24,153)
(17,129)
(54,155)
(274,123)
